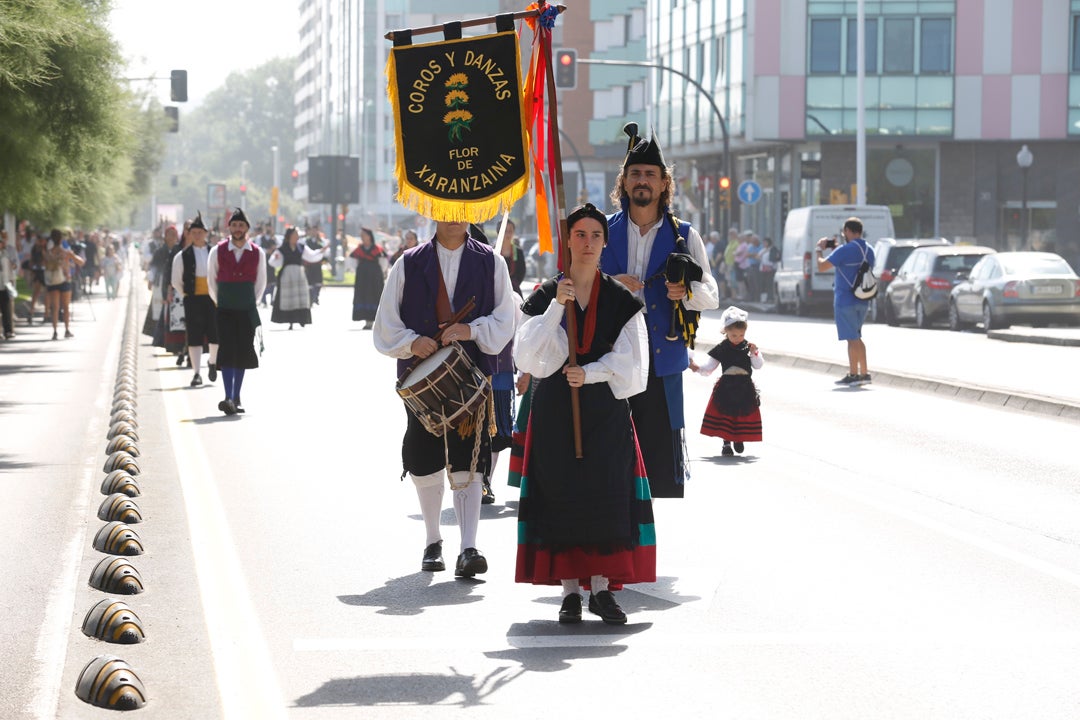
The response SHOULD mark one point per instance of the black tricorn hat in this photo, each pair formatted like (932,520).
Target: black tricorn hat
(640,151)
(197,223)
(238,214)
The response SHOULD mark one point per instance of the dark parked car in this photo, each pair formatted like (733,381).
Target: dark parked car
(1016,287)
(920,290)
(889,255)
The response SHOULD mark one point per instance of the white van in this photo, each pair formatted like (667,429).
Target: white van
(798,284)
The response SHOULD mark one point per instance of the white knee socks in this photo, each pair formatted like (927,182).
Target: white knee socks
(467,506)
(213,353)
(569,587)
(429,490)
(195,353)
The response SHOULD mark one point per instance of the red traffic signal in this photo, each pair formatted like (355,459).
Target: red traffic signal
(295,175)
(725,183)
(566,69)
(243,189)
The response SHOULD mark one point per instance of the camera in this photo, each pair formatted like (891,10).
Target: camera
(830,242)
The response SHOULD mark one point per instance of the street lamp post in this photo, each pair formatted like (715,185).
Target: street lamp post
(276,191)
(1024,159)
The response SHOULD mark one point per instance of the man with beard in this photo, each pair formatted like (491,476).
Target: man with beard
(642,236)
(189,281)
(236,276)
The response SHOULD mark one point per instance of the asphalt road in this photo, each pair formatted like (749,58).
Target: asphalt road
(884,553)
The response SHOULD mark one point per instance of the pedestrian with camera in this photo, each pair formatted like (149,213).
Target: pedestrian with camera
(849,311)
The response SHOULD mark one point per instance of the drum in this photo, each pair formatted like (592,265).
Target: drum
(444,389)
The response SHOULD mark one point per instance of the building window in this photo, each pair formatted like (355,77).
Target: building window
(899,45)
(871,45)
(935,46)
(1076,43)
(825,46)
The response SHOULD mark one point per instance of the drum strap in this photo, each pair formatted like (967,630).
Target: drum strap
(442,298)
(475,452)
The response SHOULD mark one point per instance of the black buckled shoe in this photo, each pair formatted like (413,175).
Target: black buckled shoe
(570,612)
(488,498)
(433,559)
(211,371)
(603,604)
(470,562)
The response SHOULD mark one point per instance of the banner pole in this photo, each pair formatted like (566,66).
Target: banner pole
(564,250)
(429,29)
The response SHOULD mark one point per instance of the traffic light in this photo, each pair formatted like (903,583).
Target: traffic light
(724,186)
(243,189)
(566,69)
(172,115)
(178,88)
(295,175)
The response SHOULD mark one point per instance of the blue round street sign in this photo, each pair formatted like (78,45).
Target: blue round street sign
(749,192)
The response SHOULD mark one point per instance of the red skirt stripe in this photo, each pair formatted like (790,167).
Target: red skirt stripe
(742,428)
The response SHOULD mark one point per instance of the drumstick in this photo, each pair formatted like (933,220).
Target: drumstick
(455,318)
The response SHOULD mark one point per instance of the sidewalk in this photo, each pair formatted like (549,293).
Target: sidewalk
(1032,369)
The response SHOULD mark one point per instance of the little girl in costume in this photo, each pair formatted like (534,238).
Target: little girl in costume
(733,413)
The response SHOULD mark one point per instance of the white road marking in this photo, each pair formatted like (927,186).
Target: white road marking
(246,679)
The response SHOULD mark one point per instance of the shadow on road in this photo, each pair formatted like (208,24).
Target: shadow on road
(412,594)
(452,688)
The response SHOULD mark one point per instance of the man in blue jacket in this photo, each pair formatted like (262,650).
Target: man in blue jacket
(641,237)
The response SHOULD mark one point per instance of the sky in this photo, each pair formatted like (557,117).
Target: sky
(208,38)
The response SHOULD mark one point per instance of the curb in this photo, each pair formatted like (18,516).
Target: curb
(934,386)
(938,386)
(1013,336)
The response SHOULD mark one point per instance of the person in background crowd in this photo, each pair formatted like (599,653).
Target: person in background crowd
(642,237)
(236,276)
(849,312)
(59,261)
(292,301)
(408,242)
(268,243)
(313,268)
(189,282)
(9,262)
(36,277)
(112,268)
(370,264)
(90,270)
(511,251)
(768,259)
(444,274)
(585,521)
(729,262)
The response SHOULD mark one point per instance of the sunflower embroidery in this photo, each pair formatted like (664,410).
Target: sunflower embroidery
(458,121)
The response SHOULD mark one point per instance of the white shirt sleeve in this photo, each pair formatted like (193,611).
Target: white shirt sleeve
(540,346)
(276,260)
(706,295)
(178,275)
(211,273)
(389,333)
(313,255)
(260,274)
(626,367)
(757,360)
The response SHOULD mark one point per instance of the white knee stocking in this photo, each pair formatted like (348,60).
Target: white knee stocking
(598,583)
(569,587)
(429,490)
(213,353)
(467,506)
(195,353)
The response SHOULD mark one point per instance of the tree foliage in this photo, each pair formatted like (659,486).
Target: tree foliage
(69,142)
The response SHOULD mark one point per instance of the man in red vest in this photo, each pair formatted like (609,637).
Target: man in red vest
(236,275)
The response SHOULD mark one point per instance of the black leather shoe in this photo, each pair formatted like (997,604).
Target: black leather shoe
(739,447)
(238,406)
(470,562)
(433,560)
(226,406)
(727,451)
(603,604)
(196,381)
(211,371)
(570,612)
(488,498)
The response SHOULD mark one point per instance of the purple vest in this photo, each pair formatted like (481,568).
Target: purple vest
(475,279)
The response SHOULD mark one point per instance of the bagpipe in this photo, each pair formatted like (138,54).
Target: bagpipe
(682,269)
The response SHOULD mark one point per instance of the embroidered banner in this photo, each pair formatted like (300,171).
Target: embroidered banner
(461,139)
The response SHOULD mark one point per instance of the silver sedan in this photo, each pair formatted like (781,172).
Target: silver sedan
(1016,287)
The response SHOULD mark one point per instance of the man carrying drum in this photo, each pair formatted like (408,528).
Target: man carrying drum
(421,295)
